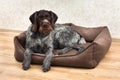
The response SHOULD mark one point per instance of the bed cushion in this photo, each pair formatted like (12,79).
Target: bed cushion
(98,43)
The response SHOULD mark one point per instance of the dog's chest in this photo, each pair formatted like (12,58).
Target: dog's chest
(39,44)
(40,41)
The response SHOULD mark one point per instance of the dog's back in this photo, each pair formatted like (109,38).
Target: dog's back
(66,36)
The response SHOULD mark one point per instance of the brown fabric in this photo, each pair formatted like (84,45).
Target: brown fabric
(99,41)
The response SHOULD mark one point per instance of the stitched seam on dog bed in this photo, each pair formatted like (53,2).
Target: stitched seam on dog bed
(93,54)
(100,32)
(94,43)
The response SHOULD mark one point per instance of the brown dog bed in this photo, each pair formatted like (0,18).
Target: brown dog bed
(98,42)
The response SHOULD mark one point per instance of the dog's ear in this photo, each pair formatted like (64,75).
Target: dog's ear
(54,17)
(33,19)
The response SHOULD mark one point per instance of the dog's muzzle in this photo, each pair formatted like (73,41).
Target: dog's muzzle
(45,23)
(45,26)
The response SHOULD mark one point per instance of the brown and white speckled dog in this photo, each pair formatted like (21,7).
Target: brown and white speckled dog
(43,36)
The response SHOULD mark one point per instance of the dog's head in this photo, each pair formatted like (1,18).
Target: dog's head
(43,21)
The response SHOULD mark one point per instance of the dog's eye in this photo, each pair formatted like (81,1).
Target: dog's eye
(41,16)
(46,16)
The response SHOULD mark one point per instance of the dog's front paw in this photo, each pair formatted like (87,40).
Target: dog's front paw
(46,67)
(25,66)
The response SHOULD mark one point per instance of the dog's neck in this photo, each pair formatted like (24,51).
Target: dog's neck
(42,35)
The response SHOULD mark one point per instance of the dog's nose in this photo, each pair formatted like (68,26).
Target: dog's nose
(45,20)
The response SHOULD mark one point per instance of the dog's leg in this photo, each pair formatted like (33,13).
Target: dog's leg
(47,60)
(27,59)
(79,48)
(64,50)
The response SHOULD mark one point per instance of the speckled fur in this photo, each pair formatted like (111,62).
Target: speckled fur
(62,37)
(65,38)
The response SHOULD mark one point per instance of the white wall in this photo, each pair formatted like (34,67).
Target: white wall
(14,14)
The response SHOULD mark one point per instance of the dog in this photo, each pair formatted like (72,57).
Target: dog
(43,36)
(38,37)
